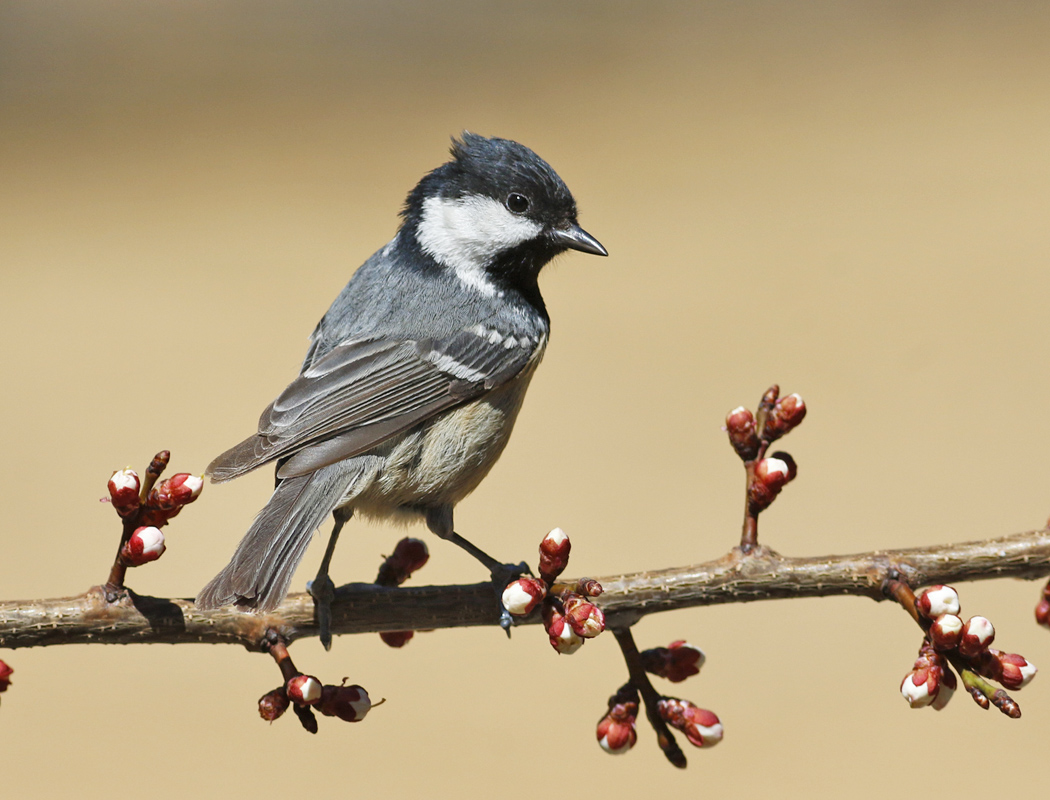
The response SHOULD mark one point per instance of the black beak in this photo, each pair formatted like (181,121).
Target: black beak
(576,238)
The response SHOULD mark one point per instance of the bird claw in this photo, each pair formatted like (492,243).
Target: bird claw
(323,592)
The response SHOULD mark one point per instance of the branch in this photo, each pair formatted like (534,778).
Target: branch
(367,608)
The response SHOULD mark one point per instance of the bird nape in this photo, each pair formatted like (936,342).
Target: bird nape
(414,376)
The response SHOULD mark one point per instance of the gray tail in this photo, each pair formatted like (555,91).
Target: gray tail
(258,575)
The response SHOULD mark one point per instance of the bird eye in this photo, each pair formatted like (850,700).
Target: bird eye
(518,203)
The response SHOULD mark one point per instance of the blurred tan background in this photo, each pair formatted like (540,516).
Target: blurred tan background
(849,199)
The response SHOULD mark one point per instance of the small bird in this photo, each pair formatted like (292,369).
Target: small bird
(414,376)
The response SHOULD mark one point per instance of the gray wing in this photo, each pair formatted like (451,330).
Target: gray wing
(365,391)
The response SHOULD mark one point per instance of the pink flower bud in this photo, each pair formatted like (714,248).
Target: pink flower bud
(946,631)
(124,491)
(273,704)
(740,426)
(786,413)
(675,662)
(977,634)
(146,544)
(175,492)
(396,638)
(938,600)
(303,690)
(921,686)
(562,637)
(701,727)
(349,703)
(1017,671)
(586,619)
(554,554)
(409,555)
(523,595)
(616,730)
(5,676)
(770,476)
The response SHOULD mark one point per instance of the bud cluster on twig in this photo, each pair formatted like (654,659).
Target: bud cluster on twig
(145,507)
(305,694)
(750,435)
(569,616)
(409,555)
(966,647)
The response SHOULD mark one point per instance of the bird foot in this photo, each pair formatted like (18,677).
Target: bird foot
(322,590)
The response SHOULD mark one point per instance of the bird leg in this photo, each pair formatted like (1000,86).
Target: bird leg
(321,588)
(439,520)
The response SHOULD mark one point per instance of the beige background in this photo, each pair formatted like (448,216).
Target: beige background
(850,199)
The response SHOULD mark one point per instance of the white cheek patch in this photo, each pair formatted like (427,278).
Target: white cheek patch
(467,233)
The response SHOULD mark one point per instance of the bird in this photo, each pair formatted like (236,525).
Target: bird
(414,377)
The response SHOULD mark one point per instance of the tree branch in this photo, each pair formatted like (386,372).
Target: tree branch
(367,608)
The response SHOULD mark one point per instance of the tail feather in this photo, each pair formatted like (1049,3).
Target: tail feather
(261,569)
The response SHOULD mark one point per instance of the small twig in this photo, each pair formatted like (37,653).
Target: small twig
(114,586)
(640,681)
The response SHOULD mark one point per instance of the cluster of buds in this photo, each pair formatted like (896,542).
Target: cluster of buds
(968,646)
(751,434)
(676,662)
(568,615)
(700,726)
(409,555)
(306,694)
(5,676)
(617,730)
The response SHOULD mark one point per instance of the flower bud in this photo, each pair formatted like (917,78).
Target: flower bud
(396,638)
(740,426)
(1042,612)
(124,491)
(349,703)
(616,730)
(5,676)
(701,727)
(303,690)
(786,413)
(409,555)
(946,631)
(1016,670)
(676,662)
(977,634)
(921,686)
(273,704)
(586,619)
(938,600)
(146,544)
(770,476)
(562,637)
(554,554)
(523,595)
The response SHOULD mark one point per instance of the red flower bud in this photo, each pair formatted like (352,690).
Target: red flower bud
(175,492)
(146,544)
(786,413)
(701,727)
(523,595)
(947,689)
(303,690)
(273,704)
(946,631)
(1042,612)
(124,491)
(616,730)
(349,703)
(1016,670)
(770,476)
(396,638)
(740,425)
(586,619)
(409,555)
(675,662)
(5,676)
(977,634)
(554,554)
(938,600)
(921,686)
(562,637)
